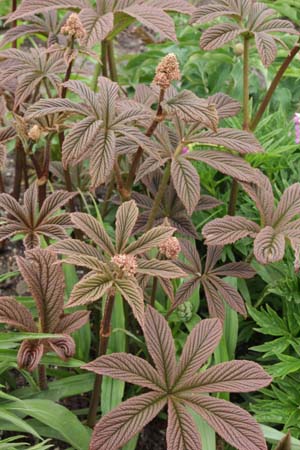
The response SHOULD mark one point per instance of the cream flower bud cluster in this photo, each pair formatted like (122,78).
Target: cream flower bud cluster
(73,27)
(167,71)
(126,263)
(170,248)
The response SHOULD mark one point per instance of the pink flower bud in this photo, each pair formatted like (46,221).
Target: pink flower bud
(170,248)
(126,263)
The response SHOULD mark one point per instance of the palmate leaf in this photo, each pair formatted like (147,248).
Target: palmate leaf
(216,290)
(277,223)
(99,22)
(253,18)
(27,220)
(95,136)
(229,421)
(30,68)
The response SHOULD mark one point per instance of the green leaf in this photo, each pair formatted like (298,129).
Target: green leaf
(82,336)
(20,424)
(274,436)
(208,436)
(58,418)
(112,389)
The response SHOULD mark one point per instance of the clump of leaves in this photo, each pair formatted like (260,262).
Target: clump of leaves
(277,223)
(32,68)
(251,20)
(216,289)
(171,208)
(115,266)
(45,281)
(27,220)
(109,18)
(95,137)
(180,386)
(190,118)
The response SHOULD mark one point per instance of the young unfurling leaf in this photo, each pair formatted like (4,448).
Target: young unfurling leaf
(179,385)
(45,281)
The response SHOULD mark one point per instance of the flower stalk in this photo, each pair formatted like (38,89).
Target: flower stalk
(104,334)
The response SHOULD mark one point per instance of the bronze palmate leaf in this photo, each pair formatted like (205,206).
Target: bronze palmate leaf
(244,18)
(278,223)
(95,136)
(115,266)
(32,223)
(215,288)
(102,20)
(180,386)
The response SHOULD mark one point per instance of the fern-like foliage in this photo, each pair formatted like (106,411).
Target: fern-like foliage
(32,223)
(278,224)
(255,20)
(116,266)
(45,280)
(180,386)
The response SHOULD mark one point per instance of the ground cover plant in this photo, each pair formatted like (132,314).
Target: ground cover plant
(149,227)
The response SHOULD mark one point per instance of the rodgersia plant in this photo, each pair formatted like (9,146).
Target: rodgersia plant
(139,149)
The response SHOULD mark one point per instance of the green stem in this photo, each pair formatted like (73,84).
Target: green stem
(101,67)
(104,334)
(112,61)
(159,196)
(246,123)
